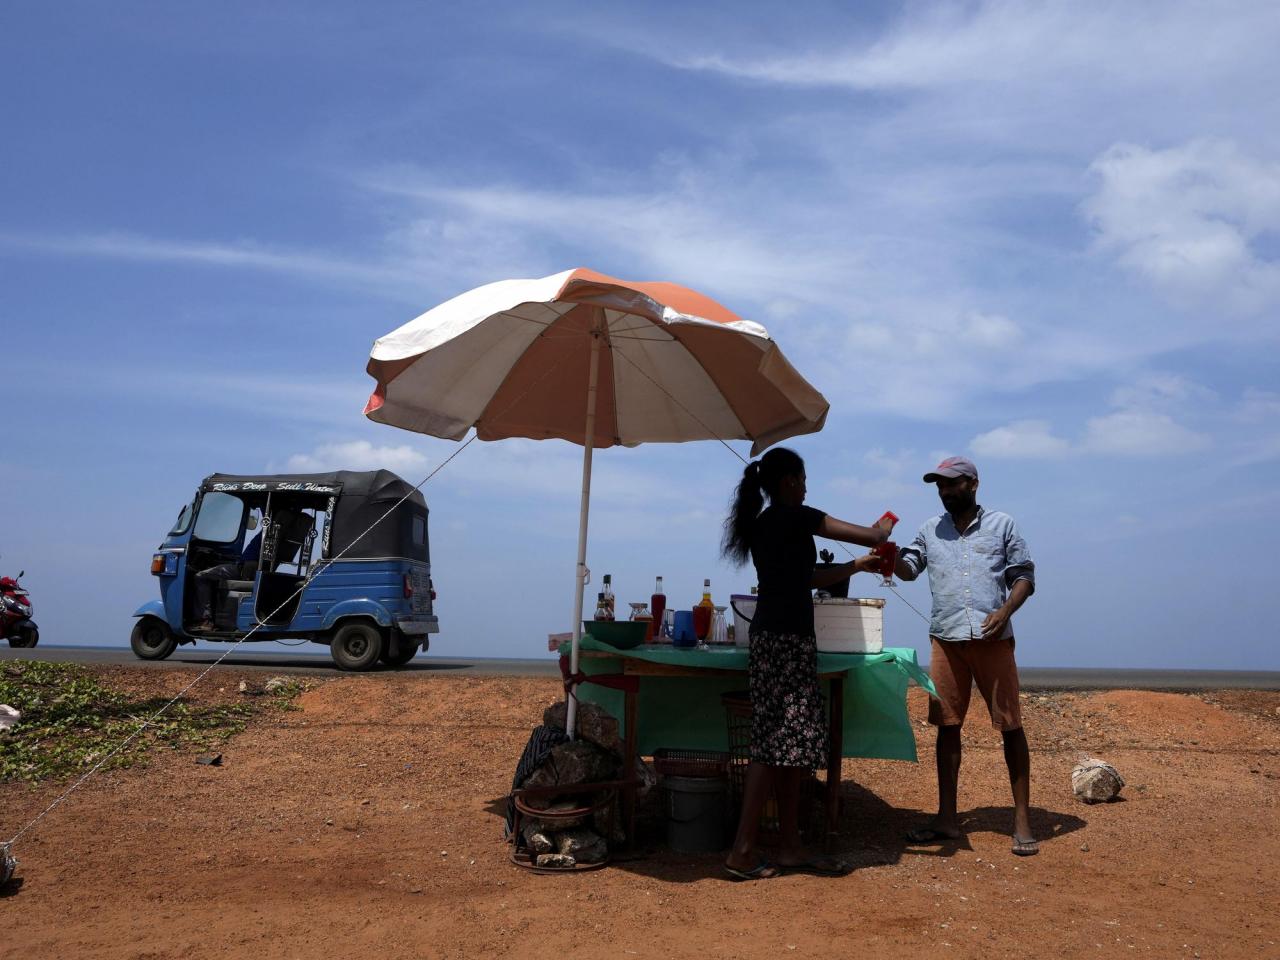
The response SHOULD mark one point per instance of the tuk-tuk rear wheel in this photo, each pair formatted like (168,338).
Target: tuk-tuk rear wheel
(356,646)
(152,639)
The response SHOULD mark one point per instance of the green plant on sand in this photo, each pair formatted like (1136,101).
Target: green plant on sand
(70,721)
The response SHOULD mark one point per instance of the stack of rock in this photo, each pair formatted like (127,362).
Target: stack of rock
(595,756)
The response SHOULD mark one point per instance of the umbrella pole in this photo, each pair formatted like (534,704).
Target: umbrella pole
(593,377)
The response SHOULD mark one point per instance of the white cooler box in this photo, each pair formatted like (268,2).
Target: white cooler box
(849,626)
(841,626)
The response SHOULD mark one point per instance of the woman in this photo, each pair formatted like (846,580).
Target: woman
(788,726)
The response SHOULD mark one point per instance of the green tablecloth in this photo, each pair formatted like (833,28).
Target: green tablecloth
(687,712)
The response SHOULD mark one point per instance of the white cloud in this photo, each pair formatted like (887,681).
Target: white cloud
(243,255)
(1161,392)
(360,455)
(1020,440)
(1187,219)
(1140,433)
(1006,41)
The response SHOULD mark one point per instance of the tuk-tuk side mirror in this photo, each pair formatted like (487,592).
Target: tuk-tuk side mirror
(21,574)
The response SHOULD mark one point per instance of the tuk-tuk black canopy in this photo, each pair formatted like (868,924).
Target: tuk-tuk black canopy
(356,501)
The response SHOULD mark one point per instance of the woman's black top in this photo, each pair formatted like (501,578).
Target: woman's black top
(784,554)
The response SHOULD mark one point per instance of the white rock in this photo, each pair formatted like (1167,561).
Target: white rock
(1096,781)
(9,717)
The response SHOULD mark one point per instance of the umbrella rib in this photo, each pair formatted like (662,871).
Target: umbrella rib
(672,398)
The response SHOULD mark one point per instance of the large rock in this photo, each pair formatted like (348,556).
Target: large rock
(593,723)
(584,846)
(537,840)
(556,860)
(1096,781)
(578,761)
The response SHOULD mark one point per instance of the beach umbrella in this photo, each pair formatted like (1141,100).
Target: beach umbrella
(588,358)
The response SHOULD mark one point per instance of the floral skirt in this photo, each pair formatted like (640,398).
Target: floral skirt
(788,717)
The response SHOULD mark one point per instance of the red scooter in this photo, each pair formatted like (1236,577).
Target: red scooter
(16,624)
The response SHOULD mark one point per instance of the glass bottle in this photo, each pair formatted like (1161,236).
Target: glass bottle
(608,595)
(702,613)
(658,607)
(602,608)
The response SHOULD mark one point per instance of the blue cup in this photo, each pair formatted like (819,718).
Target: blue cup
(683,627)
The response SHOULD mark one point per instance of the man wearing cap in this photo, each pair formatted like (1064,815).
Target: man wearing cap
(980,572)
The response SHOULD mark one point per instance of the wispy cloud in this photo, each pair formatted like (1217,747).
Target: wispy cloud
(248,255)
(1187,219)
(1142,424)
(359,455)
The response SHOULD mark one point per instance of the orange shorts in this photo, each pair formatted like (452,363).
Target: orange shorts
(956,665)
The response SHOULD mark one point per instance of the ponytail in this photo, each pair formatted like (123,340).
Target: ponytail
(761,478)
(747,502)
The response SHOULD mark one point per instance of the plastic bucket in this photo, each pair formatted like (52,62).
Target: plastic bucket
(695,813)
(744,608)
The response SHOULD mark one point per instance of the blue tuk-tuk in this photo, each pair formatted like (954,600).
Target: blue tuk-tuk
(327,563)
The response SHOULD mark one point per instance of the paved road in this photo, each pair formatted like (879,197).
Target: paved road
(277,661)
(304,660)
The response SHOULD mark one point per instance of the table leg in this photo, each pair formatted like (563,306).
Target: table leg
(835,752)
(629,744)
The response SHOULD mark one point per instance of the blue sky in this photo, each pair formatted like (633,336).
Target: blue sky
(1046,235)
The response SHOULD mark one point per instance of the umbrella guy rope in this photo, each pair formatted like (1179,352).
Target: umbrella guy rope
(887,583)
(6,848)
(7,862)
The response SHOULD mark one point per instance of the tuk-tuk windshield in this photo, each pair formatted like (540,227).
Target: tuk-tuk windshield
(183,522)
(221,517)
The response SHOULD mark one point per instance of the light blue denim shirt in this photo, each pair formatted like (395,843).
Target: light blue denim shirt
(970,572)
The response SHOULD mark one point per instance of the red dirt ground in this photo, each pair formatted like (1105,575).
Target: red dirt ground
(366,824)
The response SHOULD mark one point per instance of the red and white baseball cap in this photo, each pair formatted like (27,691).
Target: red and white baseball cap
(952,467)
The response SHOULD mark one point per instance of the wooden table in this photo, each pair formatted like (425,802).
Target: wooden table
(631,667)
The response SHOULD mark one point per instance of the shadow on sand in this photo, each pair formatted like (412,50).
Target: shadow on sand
(872,833)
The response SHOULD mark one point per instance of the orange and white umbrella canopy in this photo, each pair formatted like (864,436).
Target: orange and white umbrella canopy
(598,361)
(513,358)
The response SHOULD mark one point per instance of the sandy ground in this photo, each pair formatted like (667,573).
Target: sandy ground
(367,824)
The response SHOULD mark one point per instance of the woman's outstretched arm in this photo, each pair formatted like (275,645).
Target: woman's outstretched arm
(834,529)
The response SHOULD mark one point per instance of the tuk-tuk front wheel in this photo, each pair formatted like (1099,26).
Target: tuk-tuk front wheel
(152,639)
(356,646)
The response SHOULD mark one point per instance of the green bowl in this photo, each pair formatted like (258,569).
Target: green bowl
(623,634)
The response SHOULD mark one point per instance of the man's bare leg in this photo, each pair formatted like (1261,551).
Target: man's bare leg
(946,825)
(1017,756)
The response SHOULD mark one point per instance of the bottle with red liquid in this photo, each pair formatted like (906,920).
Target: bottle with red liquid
(887,551)
(657,606)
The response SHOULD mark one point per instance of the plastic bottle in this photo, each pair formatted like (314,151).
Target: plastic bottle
(657,606)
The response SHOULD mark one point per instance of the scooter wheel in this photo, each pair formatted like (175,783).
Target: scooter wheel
(26,637)
(152,639)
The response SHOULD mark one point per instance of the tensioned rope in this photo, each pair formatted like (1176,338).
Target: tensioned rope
(6,847)
(887,583)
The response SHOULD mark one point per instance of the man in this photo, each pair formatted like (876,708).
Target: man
(979,573)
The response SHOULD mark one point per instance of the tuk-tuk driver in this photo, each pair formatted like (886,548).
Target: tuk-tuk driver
(244,569)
